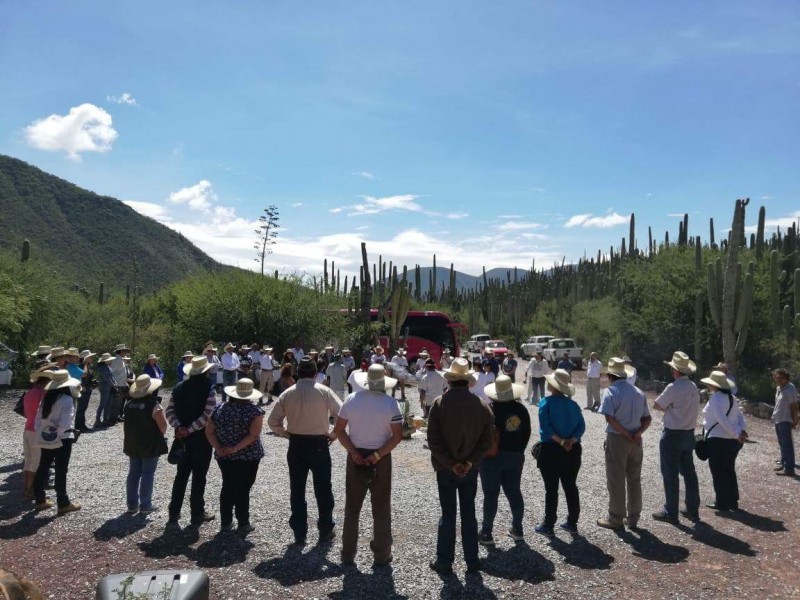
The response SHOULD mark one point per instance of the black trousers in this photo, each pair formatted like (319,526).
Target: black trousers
(59,456)
(194,462)
(558,465)
(238,477)
(722,455)
(309,453)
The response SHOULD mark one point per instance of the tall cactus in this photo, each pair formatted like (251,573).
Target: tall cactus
(26,251)
(774,291)
(631,234)
(101,296)
(399,303)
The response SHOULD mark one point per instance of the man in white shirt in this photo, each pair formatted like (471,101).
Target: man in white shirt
(337,377)
(399,371)
(680,403)
(298,352)
(431,386)
(535,373)
(267,380)
(230,367)
(348,360)
(255,357)
(119,369)
(214,373)
(483,378)
(593,368)
(369,426)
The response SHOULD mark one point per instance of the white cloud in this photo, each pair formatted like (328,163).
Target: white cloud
(297,205)
(509,216)
(766,197)
(86,128)
(679,215)
(124,98)
(783,222)
(588,220)
(364,174)
(373,205)
(200,196)
(149,209)
(538,190)
(518,226)
(456,215)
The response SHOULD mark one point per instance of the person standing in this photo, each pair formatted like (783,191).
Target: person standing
(512,424)
(119,368)
(87,385)
(460,431)
(724,425)
(431,386)
(144,427)
(627,415)
(189,408)
(230,367)
(680,403)
(400,370)
(369,426)
(535,373)
(785,416)
(348,360)
(31,452)
(565,364)
(593,368)
(255,359)
(494,364)
(635,374)
(561,427)
(378,356)
(107,385)
(306,407)
(267,381)
(186,359)
(337,377)
(509,366)
(154,370)
(215,373)
(484,377)
(234,431)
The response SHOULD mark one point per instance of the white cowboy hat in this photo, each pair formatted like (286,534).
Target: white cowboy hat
(210,349)
(120,348)
(374,379)
(459,370)
(719,380)
(227,346)
(44,350)
(400,352)
(153,357)
(243,390)
(57,352)
(105,357)
(328,347)
(73,351)
(313,351)
(346,351)
(619,368)
(198,366)
(188,354)
(86,354)
(681,362)
(60,379)
(144,386)
(504,390)
(559,379)
(423,353)
(44,371)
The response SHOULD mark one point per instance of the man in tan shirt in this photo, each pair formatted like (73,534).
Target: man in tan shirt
(307,407)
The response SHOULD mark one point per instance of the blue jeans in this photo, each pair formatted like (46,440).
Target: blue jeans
(677,451)
(504,470)
(464,488)
(141,473)
(83,404)
(309,453)
(786,444)
(104,408)
(228,378)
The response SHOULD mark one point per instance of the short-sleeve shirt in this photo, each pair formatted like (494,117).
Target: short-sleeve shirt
(370,416)
(627,404)
(232,422)
(433,384)
(784,398)
(337,375)
(680,401)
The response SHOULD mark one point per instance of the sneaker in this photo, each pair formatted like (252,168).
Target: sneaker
(606,524)
(71,507)
(693,517)
(544,529)
(147,511)
(779,467)
(571,527)
(515,534)
(631,524)
(485,539)
(785,473)
(441,568)
(664,516)
(132,510)
(205,518)
(44,505)
(245,529)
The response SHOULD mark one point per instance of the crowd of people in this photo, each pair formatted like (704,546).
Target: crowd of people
(478,428)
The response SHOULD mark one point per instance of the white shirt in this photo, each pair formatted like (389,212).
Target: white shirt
(349,362)
(400,361)
(62,416)
(433,384)
(483,380)
(370,416)
(119,370)
(728,426)
(230,361)
(593,368)
(255,356)
(680,401)
(266,362)
(298,353)
(538,368)
(632,378)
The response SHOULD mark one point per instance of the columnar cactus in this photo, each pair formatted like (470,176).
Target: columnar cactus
(26,251)
(101,296)
(399,303)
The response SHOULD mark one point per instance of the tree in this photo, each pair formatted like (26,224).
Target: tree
(266,234)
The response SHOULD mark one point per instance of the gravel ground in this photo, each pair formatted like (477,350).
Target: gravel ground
(754,552)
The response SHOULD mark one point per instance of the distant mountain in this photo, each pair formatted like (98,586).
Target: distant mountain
(89,238)
(464,281)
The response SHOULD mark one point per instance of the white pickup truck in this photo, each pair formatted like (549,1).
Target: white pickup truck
(557,347)
(477,342)
(535,343)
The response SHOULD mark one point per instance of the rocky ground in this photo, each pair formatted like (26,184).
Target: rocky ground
(752,553)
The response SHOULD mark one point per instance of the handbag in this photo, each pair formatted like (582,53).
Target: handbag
(176,451)
(536,450)
(19,407)
(47,436)
(701,439)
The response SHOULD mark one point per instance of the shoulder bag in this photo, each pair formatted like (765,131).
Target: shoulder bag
(19,407)
(47,434)
(176,451)
(701,439)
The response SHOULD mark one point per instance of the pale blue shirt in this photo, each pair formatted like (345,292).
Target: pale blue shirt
(680,401)
(627,404)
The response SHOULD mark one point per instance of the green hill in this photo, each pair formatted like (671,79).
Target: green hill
(89,238)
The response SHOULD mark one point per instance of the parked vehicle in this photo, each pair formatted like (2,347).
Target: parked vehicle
(557,347)
(535,343)
(498,347)
(477,341)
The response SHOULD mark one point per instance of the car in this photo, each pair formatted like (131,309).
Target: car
(497,346)
(558,347)
(476,342)
(535,343)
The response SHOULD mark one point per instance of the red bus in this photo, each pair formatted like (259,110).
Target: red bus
(427,329)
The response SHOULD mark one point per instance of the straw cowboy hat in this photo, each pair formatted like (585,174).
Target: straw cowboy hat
(152,357)
(144,386)
(559,379)
(228,346)
(188,354)
(619,368)
(401,352)
(105,357)
(57,352)
(423,353)
(86,354)
(43,371)
(346,351)
(719,380)
(329,347)
(243,390)
(459,370)
(680,362)
(42,350)
(121,348)
(73,351)
(60,379)
(374,379)
(504,390)
(198,366)
(210,349)
(313,352)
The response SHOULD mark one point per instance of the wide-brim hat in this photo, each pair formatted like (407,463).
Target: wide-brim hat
(86,354)
(423,353)
(504,390)
(328,347)
(288,351)
(346,351)
(60,379)
(144,386)
(210,349)
(42,350)
(243,390)
(188,354)
(719,380)
(459,370)
(120,348)
(253,346)
(42,371)
(198,366)
(400,352)
(375,379)
(152,357)
(313,351)
(57,352)
(105,357)
(681,362)
(619,368)
(73,351)
(228,346)
(560,380)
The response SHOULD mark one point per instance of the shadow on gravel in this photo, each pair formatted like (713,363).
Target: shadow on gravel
(12,503)
(706,534)
(473,588)
(120,527)
(378,584)
(582,553)
(646,545)
(173,541)
(27,526)
(755,521)
(296,567)
(223,550)
(520,562)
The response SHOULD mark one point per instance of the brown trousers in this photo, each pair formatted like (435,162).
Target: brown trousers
(380,493)
(623,474)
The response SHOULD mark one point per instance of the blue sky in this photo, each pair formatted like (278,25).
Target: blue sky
(489,133)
